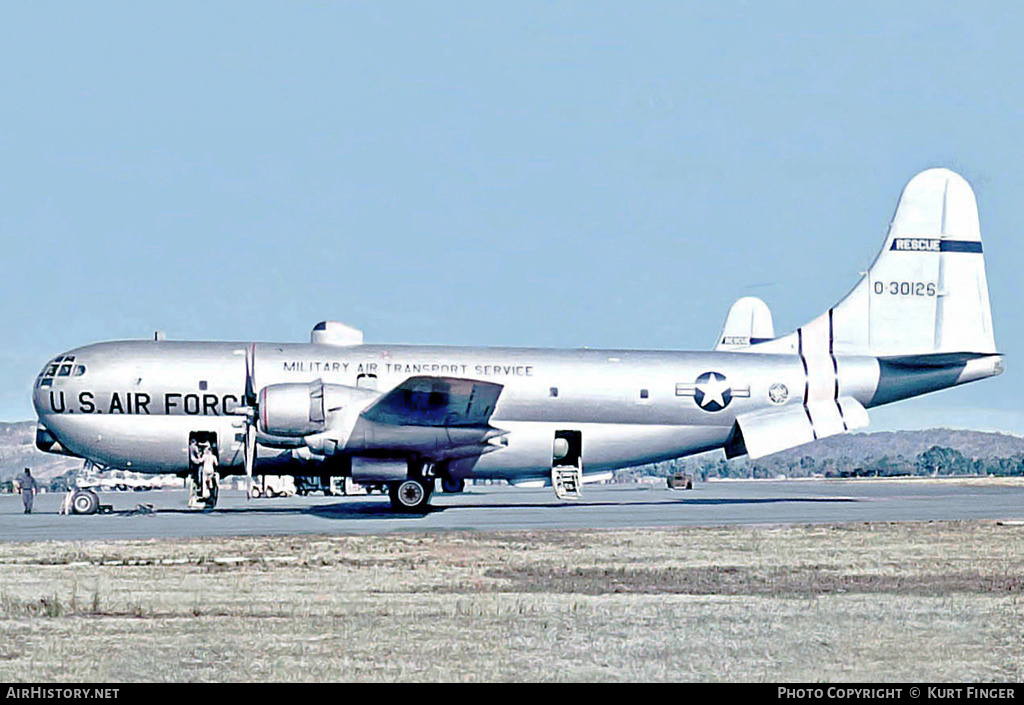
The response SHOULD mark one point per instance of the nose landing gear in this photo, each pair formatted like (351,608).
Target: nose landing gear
(81,498)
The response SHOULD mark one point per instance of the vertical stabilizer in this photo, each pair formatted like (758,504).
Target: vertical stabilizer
(922,310)
(749,322)
(926,291)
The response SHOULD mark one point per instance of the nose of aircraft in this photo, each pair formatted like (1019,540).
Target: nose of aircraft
(51,377)
(50,397)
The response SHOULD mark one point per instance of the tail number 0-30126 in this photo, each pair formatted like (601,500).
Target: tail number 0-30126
(905,288)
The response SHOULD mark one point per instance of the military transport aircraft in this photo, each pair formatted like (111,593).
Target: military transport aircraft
(407,416)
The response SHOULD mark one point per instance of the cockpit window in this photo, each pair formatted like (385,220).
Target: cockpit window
(61,367)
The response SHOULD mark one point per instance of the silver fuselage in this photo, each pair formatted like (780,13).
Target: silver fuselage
(919,320)
(135,403)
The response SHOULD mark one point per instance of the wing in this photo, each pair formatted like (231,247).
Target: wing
(436,401)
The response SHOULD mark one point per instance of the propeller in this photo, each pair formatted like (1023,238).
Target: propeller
(249,410)
(250,388)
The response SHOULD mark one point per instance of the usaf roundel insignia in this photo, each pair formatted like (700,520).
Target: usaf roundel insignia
(711,392)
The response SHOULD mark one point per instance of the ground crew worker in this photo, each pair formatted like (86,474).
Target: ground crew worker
(28,490)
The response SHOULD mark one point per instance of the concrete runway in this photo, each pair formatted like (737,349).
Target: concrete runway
(507,508)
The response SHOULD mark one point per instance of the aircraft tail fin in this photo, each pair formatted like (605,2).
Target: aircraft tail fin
(749,322)
(926,292)
(922,310)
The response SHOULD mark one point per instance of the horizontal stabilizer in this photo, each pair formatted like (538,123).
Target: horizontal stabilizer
(933,360)
(436,401)
(762,433)
(749,322)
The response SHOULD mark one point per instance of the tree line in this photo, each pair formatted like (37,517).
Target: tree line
(937,461)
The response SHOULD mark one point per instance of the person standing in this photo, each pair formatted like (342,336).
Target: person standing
(28,490)
(209,472)
(195,457)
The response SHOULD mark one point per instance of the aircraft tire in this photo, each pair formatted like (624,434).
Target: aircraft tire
(85,502)
(409,495)
(452,485)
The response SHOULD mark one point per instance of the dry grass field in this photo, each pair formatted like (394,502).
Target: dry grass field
(869,602)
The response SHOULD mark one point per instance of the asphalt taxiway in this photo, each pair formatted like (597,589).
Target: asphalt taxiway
(507,508)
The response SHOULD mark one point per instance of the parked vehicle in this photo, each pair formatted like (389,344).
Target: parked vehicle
(680,481)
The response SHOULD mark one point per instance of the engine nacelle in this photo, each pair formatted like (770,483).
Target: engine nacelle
(292,409)
(302,410)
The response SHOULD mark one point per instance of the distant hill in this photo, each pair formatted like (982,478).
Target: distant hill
(901,449)
(884,453)
(18,451)
(973,444)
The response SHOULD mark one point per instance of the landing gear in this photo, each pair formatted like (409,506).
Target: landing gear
(80,497)
(84,502)
(453,485)
(410,495)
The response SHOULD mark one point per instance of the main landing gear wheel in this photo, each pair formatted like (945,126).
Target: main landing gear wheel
(453,485)
(409,495)
(85,502)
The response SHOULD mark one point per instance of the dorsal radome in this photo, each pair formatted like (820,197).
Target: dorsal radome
(335,333)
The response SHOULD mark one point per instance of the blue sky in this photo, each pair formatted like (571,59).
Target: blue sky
(544,174)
